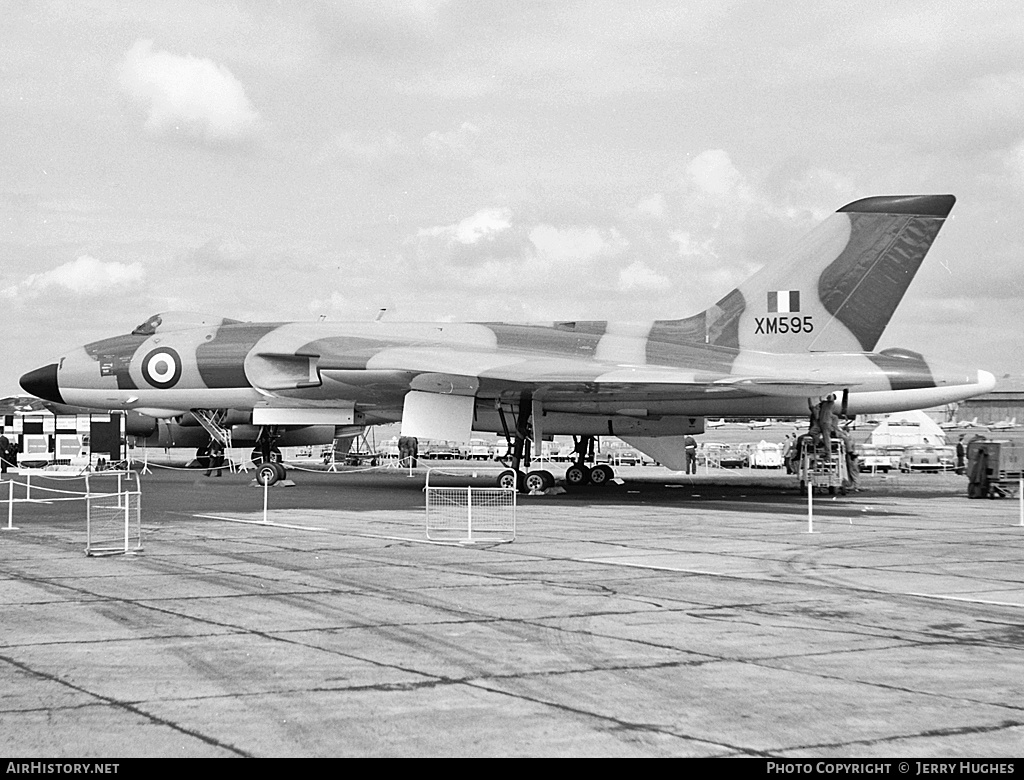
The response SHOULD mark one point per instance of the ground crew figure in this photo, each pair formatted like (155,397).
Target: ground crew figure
(827,423)
(690,448)
(216,459)
(408,447)
(852,467)
(960,451)
(5,454)
(791,453)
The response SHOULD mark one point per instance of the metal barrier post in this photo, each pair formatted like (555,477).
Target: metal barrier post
(127,517)
(10,507)
(810,506)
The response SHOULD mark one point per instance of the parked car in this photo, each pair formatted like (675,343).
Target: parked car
(765,455)
(895,454)
(709,453)
(920,458)
(479,449)
(947,458)
(621,457)
(440,450)
(872,459)
(734,458)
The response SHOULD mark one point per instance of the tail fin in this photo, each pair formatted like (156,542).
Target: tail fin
(838,289)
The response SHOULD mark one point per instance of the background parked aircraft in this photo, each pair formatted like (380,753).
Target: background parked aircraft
(1003,425)
(961,425)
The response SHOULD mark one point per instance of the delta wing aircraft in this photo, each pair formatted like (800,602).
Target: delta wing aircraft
(794,332)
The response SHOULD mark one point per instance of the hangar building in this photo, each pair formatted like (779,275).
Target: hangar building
(1003,403)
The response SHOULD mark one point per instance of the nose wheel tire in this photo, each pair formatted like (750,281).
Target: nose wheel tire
(270,473)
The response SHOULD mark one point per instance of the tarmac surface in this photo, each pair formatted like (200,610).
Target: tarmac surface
(665,616)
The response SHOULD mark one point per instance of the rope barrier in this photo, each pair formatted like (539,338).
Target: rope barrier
(29,486)
(243,466)
(56,475)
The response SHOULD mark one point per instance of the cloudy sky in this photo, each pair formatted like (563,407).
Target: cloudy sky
(485,160)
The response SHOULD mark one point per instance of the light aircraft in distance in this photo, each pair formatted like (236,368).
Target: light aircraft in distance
(796,331)
(953,425)
(715,423)
(758,424)
(1003,425)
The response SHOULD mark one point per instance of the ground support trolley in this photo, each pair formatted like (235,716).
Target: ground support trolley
(820,471)
(994,468)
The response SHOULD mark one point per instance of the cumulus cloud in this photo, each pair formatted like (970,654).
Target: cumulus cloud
(492,246)
(186,96)
(689,247)
(83,276)
(485,224)
(457,143)
(221,252)
(713,174)
(638,276)
(575,245)
(654,206)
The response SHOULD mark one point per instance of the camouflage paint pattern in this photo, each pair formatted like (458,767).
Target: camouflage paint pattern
(794,331)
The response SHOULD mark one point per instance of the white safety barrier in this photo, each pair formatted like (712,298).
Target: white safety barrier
(468,514)
(113,513)
(112,506)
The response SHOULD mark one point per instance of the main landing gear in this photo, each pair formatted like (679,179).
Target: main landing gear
(538,481)
(581,474)
(514,478)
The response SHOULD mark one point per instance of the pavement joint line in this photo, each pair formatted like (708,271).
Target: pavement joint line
(926,734)
(620,723)
(124,705)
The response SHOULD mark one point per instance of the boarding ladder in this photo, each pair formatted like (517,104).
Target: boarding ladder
(212,421)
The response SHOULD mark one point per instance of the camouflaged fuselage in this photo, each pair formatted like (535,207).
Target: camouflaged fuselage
(795,331)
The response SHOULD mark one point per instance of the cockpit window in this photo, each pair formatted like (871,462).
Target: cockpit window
(180,320)
(148,328)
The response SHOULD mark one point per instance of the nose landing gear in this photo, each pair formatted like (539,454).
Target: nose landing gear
(270,473)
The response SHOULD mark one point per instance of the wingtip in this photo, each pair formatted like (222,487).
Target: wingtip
(987,381)
(918,205)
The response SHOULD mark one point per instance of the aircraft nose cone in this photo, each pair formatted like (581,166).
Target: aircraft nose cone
(42,383)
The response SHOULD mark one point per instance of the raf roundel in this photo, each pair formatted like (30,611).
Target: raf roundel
(162,368)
